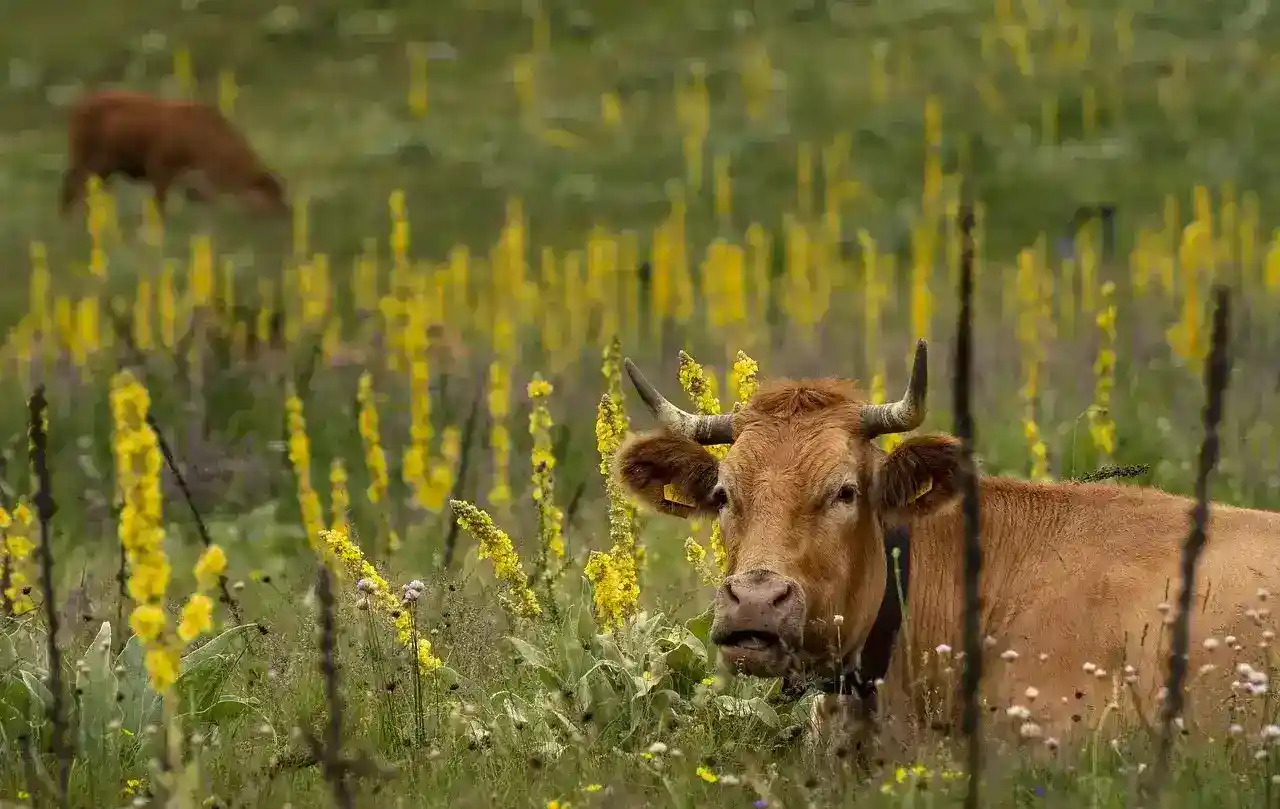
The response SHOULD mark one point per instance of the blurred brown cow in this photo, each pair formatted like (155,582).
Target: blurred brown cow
(162,141)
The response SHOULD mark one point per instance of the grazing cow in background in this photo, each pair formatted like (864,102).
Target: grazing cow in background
(1075,576)
(162,141)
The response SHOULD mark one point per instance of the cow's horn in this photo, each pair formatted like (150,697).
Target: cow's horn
(907,413)
(707,430)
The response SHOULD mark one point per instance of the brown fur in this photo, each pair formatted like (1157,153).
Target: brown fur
(162,141)
(1071,571)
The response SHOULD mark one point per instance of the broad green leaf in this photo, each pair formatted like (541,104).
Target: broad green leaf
(139,704)
(203,671)
(97,686)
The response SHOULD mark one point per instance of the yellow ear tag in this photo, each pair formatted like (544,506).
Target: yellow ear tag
(671,495)
(923,490)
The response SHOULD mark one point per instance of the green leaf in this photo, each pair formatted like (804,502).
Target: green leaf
(533,657)
(140,705)
(97,686)
(37,692)
(203,671)
(700,627)
(227,710)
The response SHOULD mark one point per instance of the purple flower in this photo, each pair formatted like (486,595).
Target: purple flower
(760,803)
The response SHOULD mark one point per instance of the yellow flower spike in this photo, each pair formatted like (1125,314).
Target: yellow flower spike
(613,575)
(340,497)
(701,388)
(210,567)
(496,545)
(162,666)
(543,462)
(197,617)
(15,552)
(300,458)
(147,622)
(141,522)
(742,378)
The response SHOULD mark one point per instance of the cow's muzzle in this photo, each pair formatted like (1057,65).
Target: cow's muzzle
(759,622)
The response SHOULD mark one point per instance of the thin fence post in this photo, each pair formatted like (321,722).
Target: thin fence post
(964,431)
(1216,373)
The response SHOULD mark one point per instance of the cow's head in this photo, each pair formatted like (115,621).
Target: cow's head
(803,498)
(266,193)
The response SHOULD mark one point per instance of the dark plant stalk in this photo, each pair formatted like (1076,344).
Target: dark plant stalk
(964,430)
(1107,472)
(39,445)
(464,464)
(419,719)
(1216,373)
(201,528)
(334,771)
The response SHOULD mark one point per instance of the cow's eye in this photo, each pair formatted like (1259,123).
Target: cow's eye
(847,493)
(719,498)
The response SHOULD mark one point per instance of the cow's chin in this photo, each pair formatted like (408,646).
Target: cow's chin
(757,660)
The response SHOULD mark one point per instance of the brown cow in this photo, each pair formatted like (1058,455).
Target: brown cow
(162,141)
(1075,576)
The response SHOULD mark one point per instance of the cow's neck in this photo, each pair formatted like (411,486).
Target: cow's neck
(1016,528)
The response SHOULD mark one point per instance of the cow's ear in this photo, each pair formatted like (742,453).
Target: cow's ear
(670,473)
(919,476)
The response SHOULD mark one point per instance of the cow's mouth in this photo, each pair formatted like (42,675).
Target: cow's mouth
(753,652)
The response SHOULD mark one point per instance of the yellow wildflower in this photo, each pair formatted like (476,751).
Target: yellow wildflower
(701,388)
(550,518)
(300,459)
(496,545)
(210,566)
(381,599)
(197,617)
(162,666)
(706,774)
(15,552)
(374,458)
(147,622)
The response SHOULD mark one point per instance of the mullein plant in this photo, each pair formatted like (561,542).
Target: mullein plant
(613,575)
(141,527)
(15,559)
(375,460)
(519,600)
(300,460)
(701,388)
(543,462)
(375,595)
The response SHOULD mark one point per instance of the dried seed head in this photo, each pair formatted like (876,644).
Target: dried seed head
(1263,594)
(1089,668)
(1017,712)
(1029,730)
(1234,729)
(1164,607)
(416,584)
(362,603)
(1051,743)
(837,619)
(943,649)
(1008,655)
(1031,693)
(1210,644)
(365,586)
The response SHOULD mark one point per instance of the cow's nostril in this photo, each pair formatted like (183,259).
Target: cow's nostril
(731,593)
(783,594)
